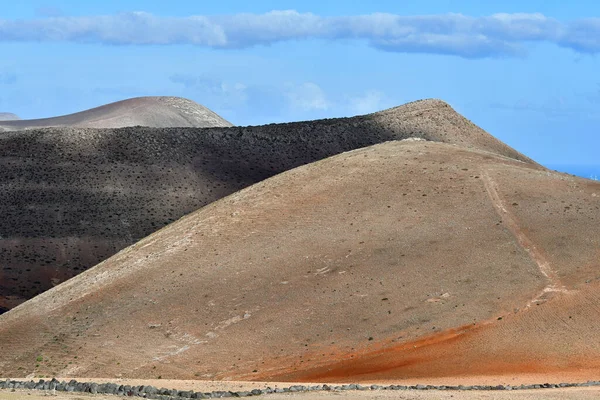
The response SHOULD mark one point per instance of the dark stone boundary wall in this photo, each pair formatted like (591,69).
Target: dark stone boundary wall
(151,392)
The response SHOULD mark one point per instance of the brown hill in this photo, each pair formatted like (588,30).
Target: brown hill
(159,112)
(405,259)
(4,116)
(70,198)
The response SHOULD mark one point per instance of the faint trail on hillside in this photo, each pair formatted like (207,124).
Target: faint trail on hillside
(535,253)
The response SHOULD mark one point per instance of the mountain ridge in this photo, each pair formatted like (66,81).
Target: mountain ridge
(377,248)
(6,116)
(154,111)
(71,197)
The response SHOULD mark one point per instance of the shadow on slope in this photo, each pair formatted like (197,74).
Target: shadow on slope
(318,269)
(72,197)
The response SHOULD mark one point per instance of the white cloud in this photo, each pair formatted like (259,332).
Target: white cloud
(294,99)
(456,34)
(127,28)
(583,36)
(222,94)
(307,96)
(369,102)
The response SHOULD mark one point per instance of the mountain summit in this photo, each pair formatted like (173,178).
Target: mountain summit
(4,116)
(158,112)
(407,259)
(72,197)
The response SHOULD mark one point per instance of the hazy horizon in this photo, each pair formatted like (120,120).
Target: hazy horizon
(584,171)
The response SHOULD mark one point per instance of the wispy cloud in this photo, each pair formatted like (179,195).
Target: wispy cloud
(307,96)
(209,85)
(297,97)
(137,28)
(454,34)
(369,102)
(222,95)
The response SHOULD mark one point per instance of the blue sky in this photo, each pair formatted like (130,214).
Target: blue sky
(524,71)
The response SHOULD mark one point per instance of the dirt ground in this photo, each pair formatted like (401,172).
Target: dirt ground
(404,260)
(570,393)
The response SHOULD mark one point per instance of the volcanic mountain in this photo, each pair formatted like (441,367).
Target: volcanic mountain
(71,197)
(159,112)
(404,259)
(4,116)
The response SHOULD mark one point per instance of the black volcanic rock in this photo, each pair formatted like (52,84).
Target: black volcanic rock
(72,197)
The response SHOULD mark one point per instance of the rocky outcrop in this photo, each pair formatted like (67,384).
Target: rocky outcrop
(151,392)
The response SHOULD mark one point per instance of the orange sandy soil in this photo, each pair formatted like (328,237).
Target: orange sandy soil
(407,260)
(534,346)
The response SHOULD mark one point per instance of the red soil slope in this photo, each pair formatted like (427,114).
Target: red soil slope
(405,259)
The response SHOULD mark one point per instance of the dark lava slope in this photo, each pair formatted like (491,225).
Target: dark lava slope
(71,197)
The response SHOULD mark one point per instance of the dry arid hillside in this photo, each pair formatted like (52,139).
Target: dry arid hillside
(159,112)
(72,197)
(4,116)
(407,259)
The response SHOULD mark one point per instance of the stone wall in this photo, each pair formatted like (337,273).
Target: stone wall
(151,392)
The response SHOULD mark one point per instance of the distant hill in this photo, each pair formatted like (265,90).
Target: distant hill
(4,116)
(159,112)
(72,197)
(407,259)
